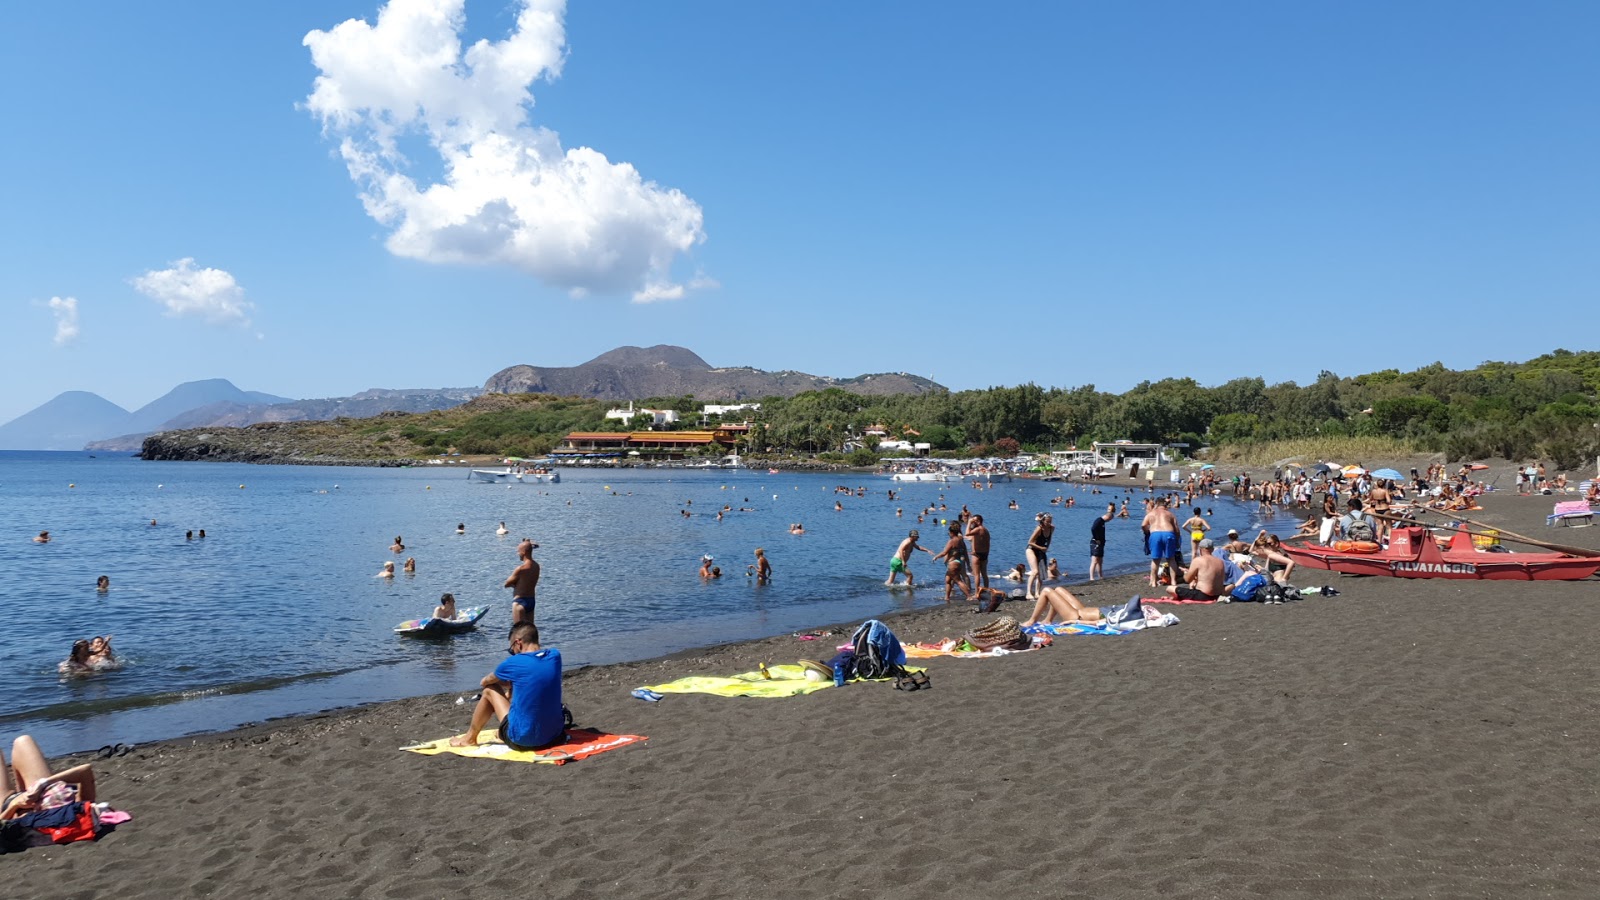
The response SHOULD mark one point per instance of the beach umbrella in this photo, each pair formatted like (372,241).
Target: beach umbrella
(1388,475)
(1320,468)
(1353,471)
(1207,466)
(1292,465)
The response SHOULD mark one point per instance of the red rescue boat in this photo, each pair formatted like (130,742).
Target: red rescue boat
(1413,553)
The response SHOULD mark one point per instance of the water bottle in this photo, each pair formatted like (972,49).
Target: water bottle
(838,674)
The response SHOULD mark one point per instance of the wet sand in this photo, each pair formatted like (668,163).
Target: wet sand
(1408,738)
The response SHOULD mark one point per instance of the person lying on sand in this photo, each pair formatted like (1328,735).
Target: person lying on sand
(1059,606)
(27,785)
(524,693)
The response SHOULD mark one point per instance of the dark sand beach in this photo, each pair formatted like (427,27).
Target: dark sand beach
(1409,738)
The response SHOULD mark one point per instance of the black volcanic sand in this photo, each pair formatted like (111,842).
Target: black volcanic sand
(1408,738)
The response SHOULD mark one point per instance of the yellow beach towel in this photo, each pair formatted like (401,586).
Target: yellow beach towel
(580,743)
(786,681)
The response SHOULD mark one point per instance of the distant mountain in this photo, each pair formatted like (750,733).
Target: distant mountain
(632,373)
(66,422)
(191,395)
(364,405)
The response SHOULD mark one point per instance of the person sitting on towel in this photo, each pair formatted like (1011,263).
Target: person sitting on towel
(1060,606)
(1207,577)
(524,692)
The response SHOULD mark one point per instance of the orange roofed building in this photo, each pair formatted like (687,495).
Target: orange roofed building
(648,444)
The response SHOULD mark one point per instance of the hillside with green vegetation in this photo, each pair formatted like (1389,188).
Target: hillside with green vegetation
(493,424)
(1547,408)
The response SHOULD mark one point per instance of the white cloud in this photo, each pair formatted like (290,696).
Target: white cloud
(509,193)
(209,294)
(65,309)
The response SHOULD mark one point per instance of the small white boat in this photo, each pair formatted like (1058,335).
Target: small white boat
(509,475)
(923,476)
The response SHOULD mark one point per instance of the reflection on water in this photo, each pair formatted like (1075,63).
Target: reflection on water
(276,610)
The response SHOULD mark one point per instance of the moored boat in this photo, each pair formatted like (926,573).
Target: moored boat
(1413,553)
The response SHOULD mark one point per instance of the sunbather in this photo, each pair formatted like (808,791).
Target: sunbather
(1059,605)
(27,785)
(1270,549)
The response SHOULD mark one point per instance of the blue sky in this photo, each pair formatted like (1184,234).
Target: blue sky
(1063,193)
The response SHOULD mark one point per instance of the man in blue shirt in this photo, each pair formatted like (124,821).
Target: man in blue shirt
(524,692)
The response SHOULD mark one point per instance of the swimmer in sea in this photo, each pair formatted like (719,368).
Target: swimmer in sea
(387,571)
(446,608)
(188,535)
(1053,573)
(411,565)
(461,528)
(42,538)
(77,660)
(399,546)
(705,566)
(100,655)
(762,568)
(103,583)
(502,529)
(797,528)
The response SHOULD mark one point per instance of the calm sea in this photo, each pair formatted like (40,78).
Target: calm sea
(277,612)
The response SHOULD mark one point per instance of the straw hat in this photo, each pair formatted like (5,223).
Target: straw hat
(816,671)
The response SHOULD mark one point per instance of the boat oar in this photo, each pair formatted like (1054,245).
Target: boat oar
(1519,538)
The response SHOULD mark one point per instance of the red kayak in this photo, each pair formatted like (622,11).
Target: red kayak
(1413,553)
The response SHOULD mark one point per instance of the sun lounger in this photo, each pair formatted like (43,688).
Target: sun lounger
(1568,512)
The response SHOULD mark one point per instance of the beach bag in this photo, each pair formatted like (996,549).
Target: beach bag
(1360,530)
(1003,633)
(1272,592)
(876,652)
(1246,590)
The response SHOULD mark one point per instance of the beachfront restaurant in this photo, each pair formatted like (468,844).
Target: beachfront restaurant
(1119,456)
(647,445)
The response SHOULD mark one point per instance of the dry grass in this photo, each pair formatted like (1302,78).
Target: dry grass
(1315,449)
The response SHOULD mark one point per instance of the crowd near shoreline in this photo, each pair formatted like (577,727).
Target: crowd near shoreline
(1385,742)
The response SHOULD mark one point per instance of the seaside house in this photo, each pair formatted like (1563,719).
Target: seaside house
(658,417)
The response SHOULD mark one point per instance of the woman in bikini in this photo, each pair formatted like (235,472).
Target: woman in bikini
(28,785)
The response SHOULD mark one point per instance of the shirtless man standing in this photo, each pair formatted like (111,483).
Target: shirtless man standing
(1207,577)
(901,560)
(1163,527)
(524,581)
(978,533)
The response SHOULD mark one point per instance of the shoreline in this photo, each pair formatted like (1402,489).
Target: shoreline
(1410,737)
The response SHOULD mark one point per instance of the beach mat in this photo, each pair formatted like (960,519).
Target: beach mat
(1176,602)
(919,651)
(786,681)
(1072,628)
(581,743)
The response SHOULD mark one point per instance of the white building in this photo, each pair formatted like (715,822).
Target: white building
(712,409)
(657,416)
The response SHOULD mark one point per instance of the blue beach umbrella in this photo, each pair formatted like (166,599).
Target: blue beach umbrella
(1207,466)
(1388,475)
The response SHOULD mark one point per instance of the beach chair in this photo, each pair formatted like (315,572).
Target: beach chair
(1568,512)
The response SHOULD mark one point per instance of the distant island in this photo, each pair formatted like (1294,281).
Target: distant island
(82,420)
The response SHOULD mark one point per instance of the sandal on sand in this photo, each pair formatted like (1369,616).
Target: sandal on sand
(905,683)
(921,680)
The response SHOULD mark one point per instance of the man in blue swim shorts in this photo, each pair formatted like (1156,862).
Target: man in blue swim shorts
(1162,526)
(524,581)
